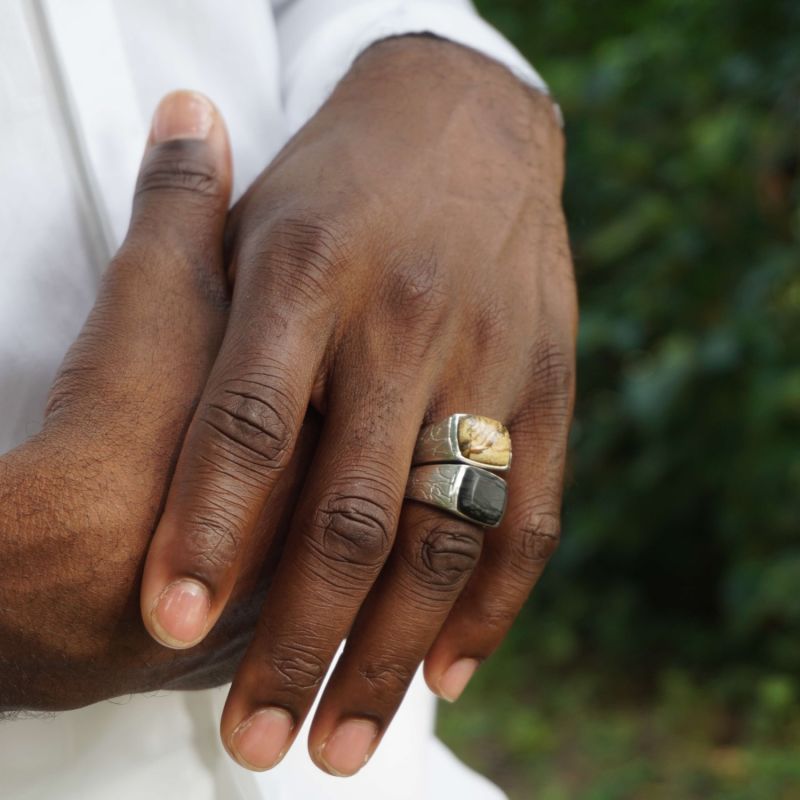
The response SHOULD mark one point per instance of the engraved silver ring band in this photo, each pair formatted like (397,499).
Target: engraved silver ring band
(464,491)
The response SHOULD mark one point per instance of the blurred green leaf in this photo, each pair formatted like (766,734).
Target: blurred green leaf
(661,649)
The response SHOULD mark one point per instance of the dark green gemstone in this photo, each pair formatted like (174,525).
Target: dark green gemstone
(482,496)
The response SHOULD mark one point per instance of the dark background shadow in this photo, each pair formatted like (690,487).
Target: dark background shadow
(659,656)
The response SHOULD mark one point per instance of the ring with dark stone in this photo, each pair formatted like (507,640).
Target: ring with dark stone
(465,491)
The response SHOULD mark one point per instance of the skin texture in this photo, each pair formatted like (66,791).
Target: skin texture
(78,503)
(405,257)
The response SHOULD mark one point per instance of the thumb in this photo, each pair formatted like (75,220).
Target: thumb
(160,312)
(183,190)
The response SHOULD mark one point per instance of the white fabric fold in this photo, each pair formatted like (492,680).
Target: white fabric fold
(320,39)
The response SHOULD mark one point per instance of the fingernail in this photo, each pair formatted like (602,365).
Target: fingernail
(261,741)
(182,115)
(456,678)
(348,748)
(180,614)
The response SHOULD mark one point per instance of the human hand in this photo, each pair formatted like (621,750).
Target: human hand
(80,501)
(403,258)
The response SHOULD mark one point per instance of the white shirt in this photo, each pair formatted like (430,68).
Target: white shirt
(79,80)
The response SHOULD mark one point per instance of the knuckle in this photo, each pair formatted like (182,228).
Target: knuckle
(302,668)
(538,540)
(493,330)
(553,374)
(253,421)
(214,542)
(71,382)
(387,678)
(309,252)
(179,166)
(354,530)
(494,616)
(446,554)
(415,291)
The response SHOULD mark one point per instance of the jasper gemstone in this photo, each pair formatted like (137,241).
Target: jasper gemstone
(482,497)
(484,440)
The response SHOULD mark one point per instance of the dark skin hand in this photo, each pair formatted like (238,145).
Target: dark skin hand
(404,258)
(79,502)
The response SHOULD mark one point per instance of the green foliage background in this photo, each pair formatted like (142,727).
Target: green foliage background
(660,655)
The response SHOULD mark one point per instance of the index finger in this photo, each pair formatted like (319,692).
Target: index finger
(237,446)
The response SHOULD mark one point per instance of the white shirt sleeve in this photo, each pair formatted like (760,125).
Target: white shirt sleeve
(320,39)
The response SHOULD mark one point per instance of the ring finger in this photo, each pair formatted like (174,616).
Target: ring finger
(433,557)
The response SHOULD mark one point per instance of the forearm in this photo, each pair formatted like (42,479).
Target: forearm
(27,522)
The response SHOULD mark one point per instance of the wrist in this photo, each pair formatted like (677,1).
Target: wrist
(21,495)
(413,88)
(455,67)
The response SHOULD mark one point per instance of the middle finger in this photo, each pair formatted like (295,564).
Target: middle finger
(341,536)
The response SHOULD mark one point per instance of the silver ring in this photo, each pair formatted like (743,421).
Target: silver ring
(465,439)
(465,491)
